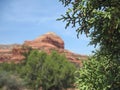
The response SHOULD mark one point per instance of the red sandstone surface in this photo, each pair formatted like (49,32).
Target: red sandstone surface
(47,42)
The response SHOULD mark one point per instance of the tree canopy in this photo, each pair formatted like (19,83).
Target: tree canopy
(98,19)
(49,71)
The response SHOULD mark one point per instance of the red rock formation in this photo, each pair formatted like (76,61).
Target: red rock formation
(11,54)
(47,42)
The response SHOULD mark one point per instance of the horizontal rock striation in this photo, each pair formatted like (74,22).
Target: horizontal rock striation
(47,42)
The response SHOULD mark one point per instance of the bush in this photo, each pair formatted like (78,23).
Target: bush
(57,72)
(48,71)
(8,67)
(10,81)
(99,73)
(31,71)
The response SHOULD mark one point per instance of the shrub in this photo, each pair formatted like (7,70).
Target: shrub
(8,67)
(48,71)
(99,73)
(10,81)
(31,71)
(57,72)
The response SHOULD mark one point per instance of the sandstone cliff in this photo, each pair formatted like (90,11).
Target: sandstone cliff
(47,42)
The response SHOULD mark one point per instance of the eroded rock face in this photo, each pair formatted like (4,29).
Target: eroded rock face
(47,42)
(12,53)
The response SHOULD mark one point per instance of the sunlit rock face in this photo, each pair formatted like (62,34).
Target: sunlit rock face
(47,42)
(11,53)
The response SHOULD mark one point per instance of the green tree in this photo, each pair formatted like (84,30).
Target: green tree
(48,71)
(57,72)
(31,71)
(99,73)
(99,20)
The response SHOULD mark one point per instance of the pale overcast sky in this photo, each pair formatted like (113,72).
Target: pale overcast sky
(22,20)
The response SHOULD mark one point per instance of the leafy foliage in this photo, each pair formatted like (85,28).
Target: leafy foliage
(8,67)
(98,19)
(51,71)
(48,71)
(31,70)
(57,72)
(99,73)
